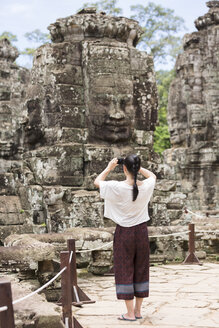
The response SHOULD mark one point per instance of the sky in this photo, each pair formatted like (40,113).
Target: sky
(21,16)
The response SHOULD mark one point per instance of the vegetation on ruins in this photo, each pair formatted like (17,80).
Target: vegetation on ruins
(8,35)
(35,37)
(161,134)
(108,6)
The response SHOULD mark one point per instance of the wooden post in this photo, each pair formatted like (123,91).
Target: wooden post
(191,257)
(78,296)
(66,290)
(7,316)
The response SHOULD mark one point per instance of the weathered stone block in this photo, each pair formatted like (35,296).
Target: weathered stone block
(5,93)
(74,135)
(67,74)
(70,94)
(96,158)
(166,185)
(84,208)
(73,116)
(11,211)
(7,230)
(59,165)
(144,138)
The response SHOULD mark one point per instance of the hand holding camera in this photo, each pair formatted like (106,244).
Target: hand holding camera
(120,160)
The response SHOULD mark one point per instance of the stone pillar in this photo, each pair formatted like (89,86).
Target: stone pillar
(13,83)
(193,109)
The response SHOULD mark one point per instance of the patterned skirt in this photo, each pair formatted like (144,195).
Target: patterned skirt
(131,261)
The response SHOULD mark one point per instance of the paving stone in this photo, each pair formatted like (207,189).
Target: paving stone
(180,296)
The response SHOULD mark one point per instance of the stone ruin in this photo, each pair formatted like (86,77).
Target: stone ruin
(193,114)
(90,96)
(13,84)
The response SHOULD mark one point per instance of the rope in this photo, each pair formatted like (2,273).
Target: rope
(76,294)
(3,308)
(155,236)
(210,231)
(66,323)
(39,289)
(70,257)
(170,234)
(201,216)
(94,249)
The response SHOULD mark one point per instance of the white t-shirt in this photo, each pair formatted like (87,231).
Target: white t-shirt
(118,204)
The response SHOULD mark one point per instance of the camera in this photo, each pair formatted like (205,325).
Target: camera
(120,161)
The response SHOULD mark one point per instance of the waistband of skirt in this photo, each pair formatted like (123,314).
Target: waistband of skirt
(137,226)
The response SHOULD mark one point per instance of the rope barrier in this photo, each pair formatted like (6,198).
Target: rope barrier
(198,215)
(210,231)
(94,249)
(70,257)
(155,236)
(201,216)
(3,308)
(170,234)
(66,322)
(39,289)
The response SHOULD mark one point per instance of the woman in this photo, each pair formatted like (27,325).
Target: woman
(126,203)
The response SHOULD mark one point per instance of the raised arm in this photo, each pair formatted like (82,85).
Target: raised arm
(146,173)
(102,176)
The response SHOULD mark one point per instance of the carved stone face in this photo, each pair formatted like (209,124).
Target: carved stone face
(110,104)
(177,114)
(111,117)
(112,113)
(178,126)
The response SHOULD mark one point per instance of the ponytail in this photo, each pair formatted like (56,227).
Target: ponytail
(135,187)
(133,163)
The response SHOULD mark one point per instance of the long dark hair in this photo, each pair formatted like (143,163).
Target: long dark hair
(133,164)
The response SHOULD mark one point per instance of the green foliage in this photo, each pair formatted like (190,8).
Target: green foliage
(28,51)
(8,35)
(161,134)
(35,36)
(108,6)
(160,26)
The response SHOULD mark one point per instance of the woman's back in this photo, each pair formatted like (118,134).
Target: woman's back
(119,205)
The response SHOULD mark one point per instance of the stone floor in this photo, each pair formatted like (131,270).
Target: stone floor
(180,296)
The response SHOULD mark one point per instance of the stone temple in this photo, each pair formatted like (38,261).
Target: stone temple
(13,84)
(193,114)
(91,96)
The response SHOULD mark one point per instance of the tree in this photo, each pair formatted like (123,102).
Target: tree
(161,134)
(36,37)
(8,35)
(108,6)
(160,26)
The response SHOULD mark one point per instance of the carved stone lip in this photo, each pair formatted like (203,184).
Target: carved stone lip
(116,123)
(115,128)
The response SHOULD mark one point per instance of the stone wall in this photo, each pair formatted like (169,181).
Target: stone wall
(13,84)
(193,109)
